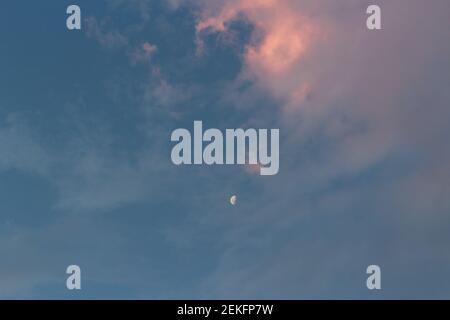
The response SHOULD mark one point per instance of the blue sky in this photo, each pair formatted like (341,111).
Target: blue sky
(86,176)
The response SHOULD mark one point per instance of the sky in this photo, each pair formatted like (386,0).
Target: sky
(86,176)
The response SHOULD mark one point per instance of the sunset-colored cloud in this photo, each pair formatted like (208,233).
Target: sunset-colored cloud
(143,53)
(282,37)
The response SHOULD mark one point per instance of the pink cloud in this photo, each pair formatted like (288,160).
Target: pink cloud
(332,79)
(143,53)
(284,35)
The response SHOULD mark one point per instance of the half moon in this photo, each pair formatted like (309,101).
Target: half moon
(233,200)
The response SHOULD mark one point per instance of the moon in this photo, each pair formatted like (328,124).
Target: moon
(233,200)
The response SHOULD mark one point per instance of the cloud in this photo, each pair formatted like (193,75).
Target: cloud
(104,34)
(36,258)
(283,36)
(363,142)
(143,53)
(326,74)
(363,118)
(88,175)
(19,150)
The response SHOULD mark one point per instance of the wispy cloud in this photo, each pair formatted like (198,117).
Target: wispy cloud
(102,32)
(363,118)
(143,53)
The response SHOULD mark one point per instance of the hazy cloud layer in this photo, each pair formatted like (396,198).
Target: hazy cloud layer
(364,175)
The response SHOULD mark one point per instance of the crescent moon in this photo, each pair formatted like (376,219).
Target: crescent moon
(233,200)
